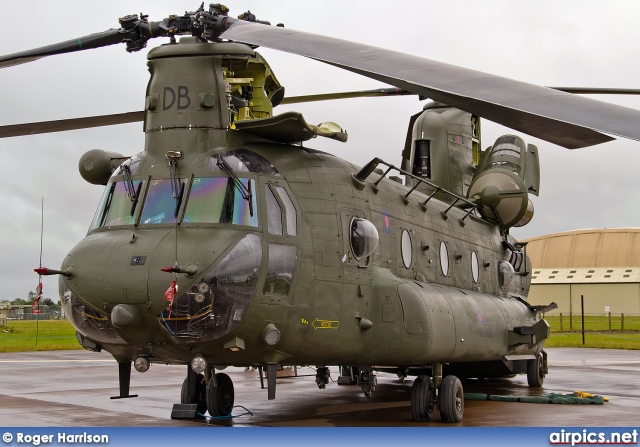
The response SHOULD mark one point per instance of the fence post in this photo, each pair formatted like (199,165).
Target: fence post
(582,310)
(561,322)
(621,322)
(609,320)
(570,314)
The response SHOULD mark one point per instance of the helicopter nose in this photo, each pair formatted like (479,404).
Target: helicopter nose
(119,271)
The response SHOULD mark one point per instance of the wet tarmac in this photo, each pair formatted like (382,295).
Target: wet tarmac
(72,388)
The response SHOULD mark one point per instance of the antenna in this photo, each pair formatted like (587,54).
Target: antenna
(36,302)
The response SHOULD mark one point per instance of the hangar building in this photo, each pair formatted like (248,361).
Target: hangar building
(603,265)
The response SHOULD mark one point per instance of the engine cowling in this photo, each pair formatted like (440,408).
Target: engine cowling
(507,173)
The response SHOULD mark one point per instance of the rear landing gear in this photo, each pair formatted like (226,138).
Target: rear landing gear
(449,398)
(423,399)
(536,370)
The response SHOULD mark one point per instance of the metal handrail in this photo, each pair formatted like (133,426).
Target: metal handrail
(368,169)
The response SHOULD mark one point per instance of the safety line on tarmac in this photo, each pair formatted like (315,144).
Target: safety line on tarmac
(55,361)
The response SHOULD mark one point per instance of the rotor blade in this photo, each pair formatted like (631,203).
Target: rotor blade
(69,124)
(103,39)
(555,116)
(400,92)
(346,95)
(598,91)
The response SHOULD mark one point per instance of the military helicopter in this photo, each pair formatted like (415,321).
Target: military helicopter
(228,242)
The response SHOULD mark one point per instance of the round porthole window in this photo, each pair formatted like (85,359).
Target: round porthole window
(444,258)
(406,249)
(475,270)
(363,238)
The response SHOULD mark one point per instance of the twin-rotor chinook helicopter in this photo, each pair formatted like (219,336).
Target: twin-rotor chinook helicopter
(227,241)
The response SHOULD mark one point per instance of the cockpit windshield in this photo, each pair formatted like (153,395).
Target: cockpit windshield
(218,200)
(210,200)
(161,206)
(230,197)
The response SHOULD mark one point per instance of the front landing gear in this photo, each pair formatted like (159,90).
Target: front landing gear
(216,395)
(220,395)
(194,391)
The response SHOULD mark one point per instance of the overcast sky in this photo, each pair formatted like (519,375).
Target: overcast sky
(557,43)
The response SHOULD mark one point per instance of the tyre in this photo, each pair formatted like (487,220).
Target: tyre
(198,398)
(423,399)
(535,371)
(220,395)
(451,400)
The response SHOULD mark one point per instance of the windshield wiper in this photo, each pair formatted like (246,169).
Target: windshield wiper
(107,205)
(245,191)
(134,199)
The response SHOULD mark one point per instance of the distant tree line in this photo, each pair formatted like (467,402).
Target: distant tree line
(31,296)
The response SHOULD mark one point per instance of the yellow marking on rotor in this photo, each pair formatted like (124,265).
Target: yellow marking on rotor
(325,324)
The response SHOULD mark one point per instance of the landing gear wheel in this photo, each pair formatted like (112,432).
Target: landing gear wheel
(198,398)
(535,371)
(451,400)
(423,399)
(220,395)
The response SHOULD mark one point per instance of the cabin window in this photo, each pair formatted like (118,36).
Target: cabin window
(274,213)
(363,238)
(406,249)
(289,209)
(475,269)
(282,261)
(220,200)
(444,259)
(116,206)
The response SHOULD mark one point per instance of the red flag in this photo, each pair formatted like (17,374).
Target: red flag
(38,295)
(170,294)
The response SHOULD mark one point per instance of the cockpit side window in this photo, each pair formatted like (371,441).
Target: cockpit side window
(116,206)
(282,260)
(274,212)
(290,211)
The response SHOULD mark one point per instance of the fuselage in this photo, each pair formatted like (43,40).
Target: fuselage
(430,289)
